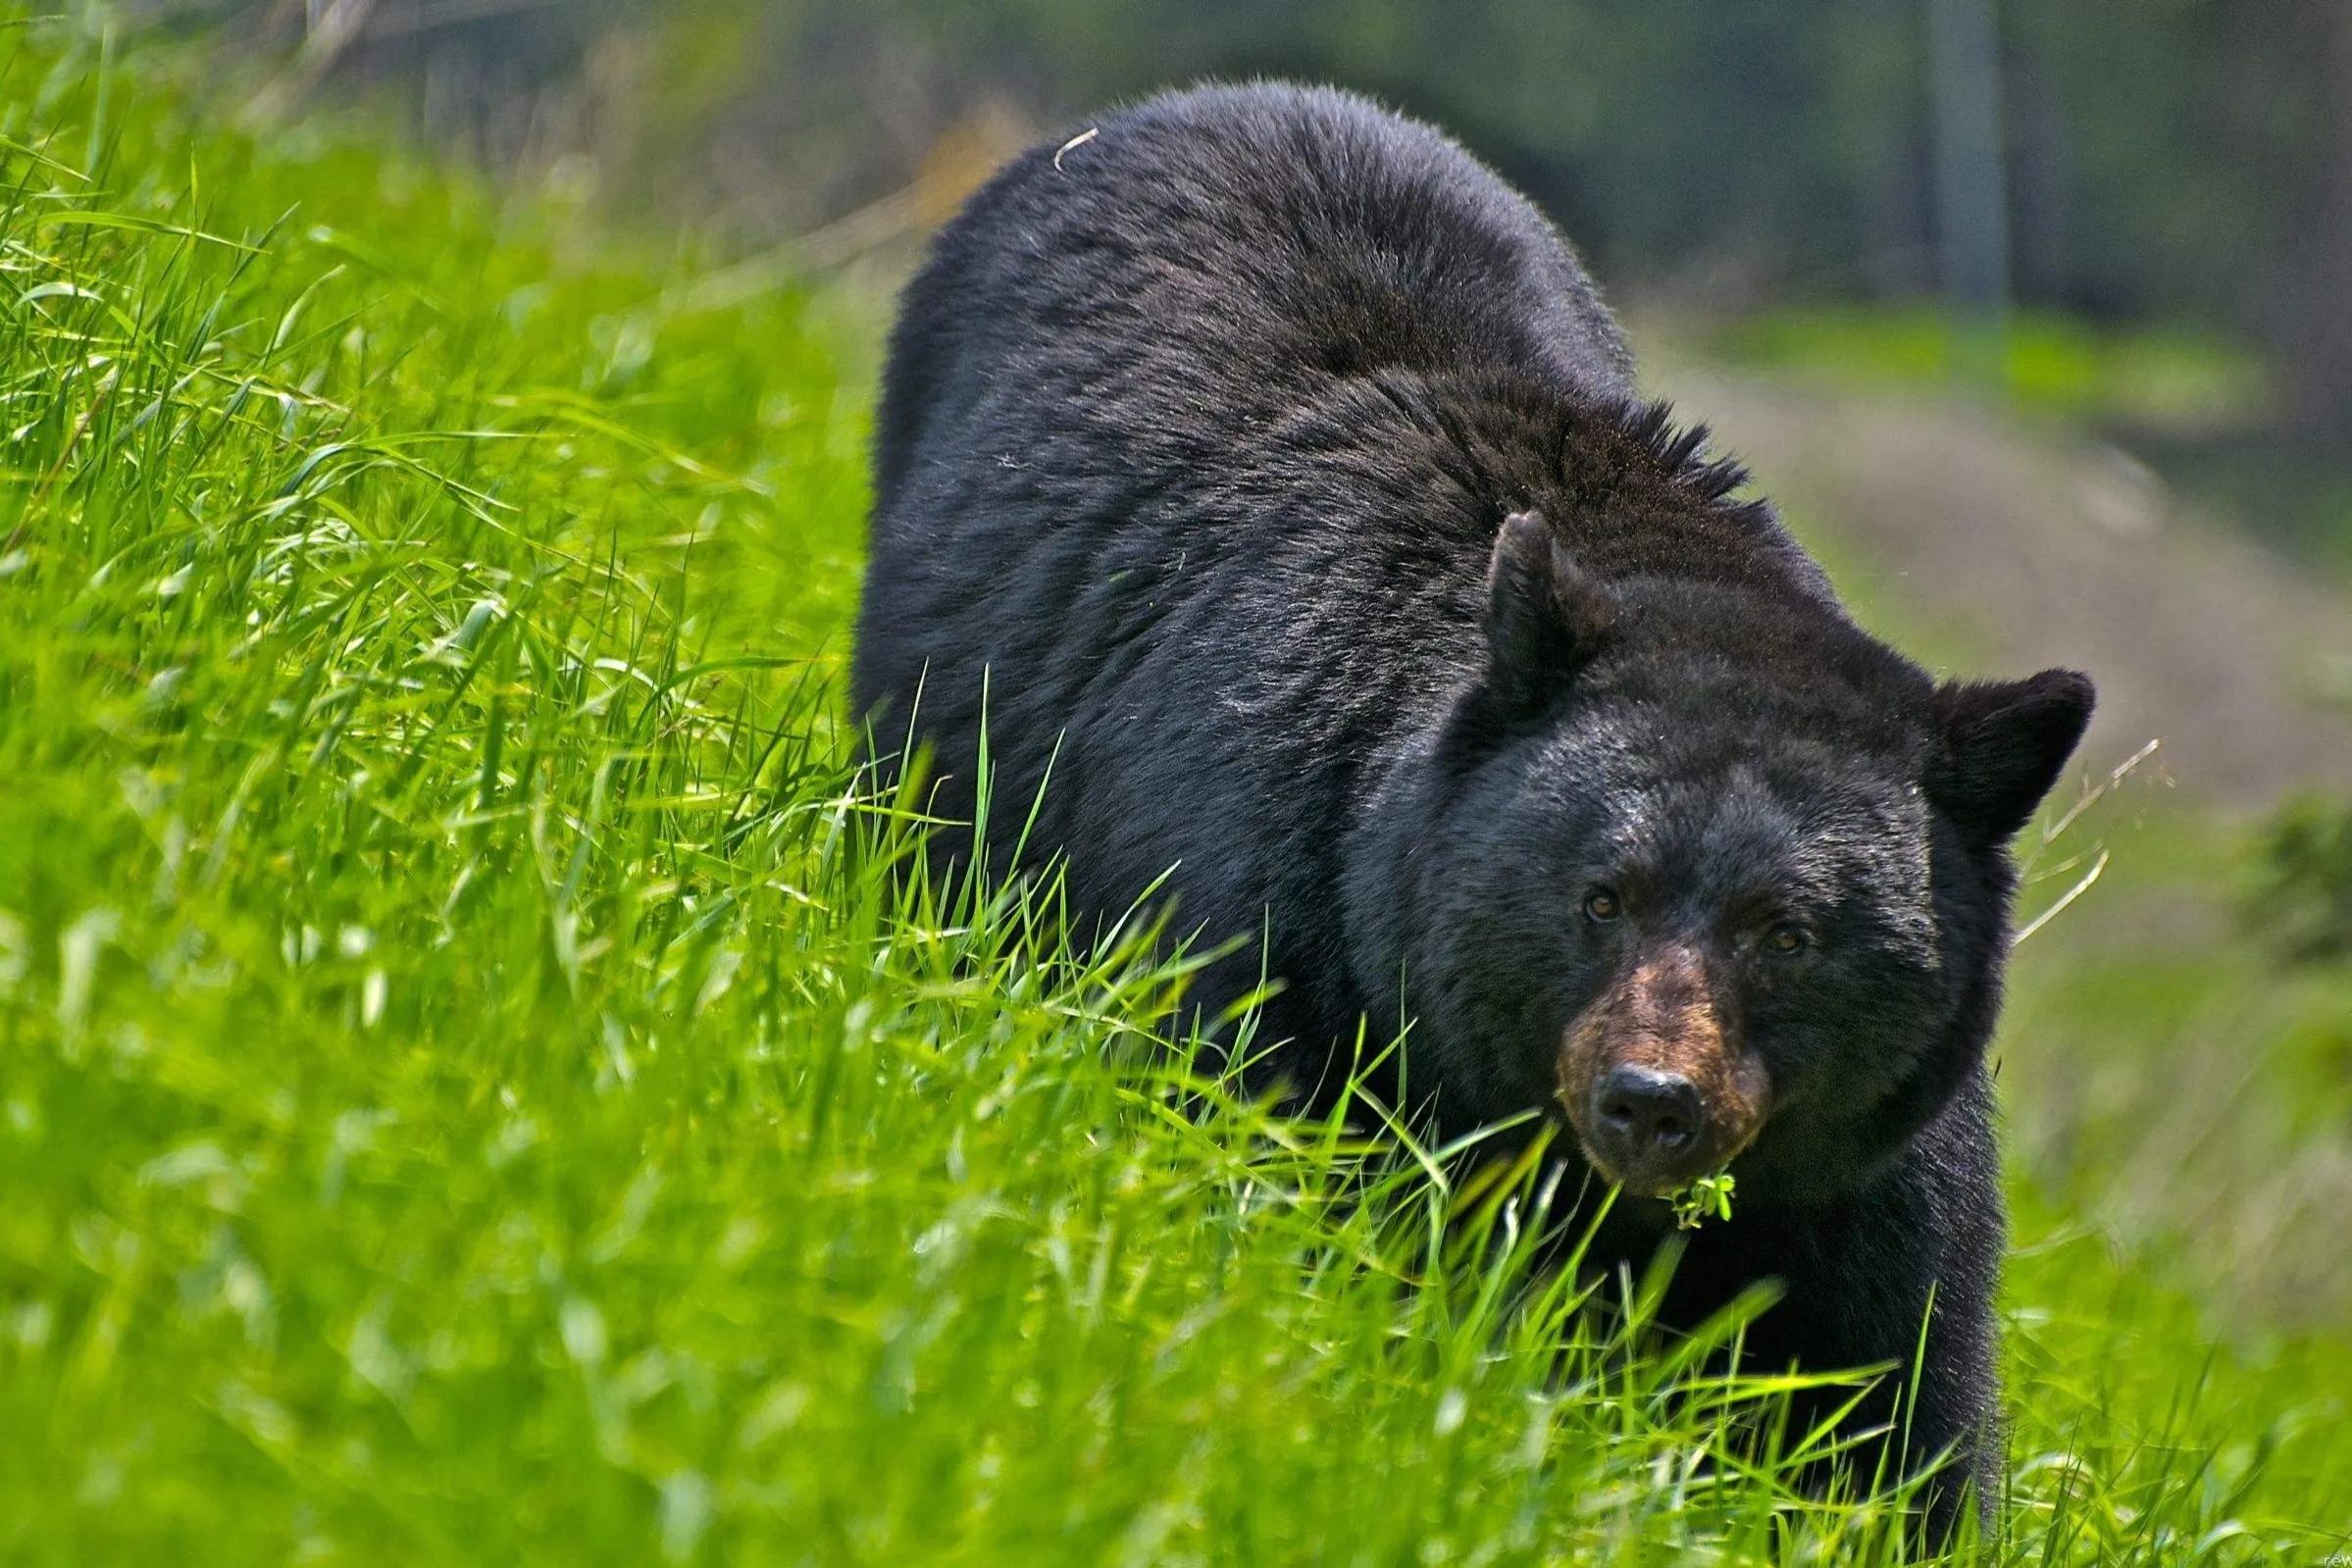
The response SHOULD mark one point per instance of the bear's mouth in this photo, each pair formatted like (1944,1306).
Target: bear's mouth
(1656,1179)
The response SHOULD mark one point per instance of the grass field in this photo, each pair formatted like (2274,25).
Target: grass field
(2151,379)
(466,1094)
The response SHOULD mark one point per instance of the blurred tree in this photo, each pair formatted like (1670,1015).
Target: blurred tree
(2305,898)
(1970,176)
(2317,346)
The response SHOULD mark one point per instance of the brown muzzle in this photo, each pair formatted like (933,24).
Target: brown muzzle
(1659,1093)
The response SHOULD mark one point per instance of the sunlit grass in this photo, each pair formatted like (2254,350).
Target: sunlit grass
(2175,380)
(477,1081)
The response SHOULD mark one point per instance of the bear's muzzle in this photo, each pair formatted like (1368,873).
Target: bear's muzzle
(1657,1090)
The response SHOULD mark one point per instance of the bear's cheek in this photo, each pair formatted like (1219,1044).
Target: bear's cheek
(1856,1032)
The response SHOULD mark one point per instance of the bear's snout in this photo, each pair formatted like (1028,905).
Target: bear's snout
(1643,1116)
(1657,1091)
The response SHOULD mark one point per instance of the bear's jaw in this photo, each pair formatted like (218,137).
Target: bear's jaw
(1650,1183)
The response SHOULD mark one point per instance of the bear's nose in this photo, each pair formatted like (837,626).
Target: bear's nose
(1647,1118)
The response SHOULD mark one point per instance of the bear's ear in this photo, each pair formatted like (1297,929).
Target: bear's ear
(2000,746)
(1543,618)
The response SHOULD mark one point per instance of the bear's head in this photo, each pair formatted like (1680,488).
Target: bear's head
(1712,875)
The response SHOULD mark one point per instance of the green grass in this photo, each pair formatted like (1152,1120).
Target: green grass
(469,1092)
(2175,380)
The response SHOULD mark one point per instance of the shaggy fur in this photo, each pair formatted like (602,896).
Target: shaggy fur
(1198,445)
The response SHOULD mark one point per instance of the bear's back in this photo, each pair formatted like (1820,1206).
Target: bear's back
(1163,496)
(1216,256)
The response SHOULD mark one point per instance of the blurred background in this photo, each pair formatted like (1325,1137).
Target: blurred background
(2030,316)
(2176,166)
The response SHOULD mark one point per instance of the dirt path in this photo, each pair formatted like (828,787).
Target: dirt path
(2054,551)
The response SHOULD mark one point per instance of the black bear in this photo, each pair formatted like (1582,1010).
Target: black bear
(1265,469)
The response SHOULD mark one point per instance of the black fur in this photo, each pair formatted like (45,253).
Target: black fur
(1197,448)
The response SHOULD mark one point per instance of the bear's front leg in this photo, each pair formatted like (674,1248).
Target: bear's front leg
(1909,1281)
(1900,1274)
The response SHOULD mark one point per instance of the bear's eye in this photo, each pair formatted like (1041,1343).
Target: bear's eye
(1786,940)
(1600,906)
